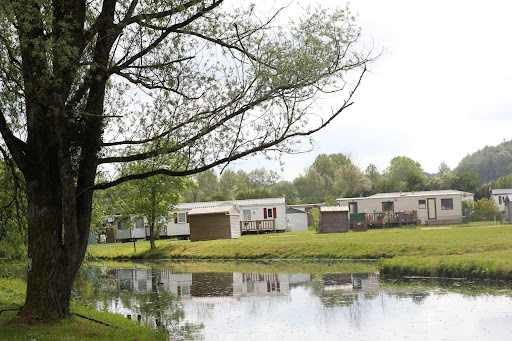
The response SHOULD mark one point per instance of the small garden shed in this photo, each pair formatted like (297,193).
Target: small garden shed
(218,222)
(297,219)
(334,219)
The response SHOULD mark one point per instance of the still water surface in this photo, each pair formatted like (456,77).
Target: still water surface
(301,306)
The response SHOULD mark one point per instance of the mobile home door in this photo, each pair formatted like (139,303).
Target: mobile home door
(431,208)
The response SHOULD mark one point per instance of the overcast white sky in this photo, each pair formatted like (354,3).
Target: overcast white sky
(442,90)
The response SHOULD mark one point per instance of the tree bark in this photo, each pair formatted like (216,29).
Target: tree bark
(152,220)
(152,235)
(55,248)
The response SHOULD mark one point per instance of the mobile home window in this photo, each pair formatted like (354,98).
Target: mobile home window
(422,204)
(121,224)
(182,217)
(447,204)
(269,213)
(247,214)
(387,206)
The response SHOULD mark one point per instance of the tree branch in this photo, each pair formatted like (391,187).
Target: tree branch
(148,16)
(17,147)
(134,79)
(232,156)
(164,35)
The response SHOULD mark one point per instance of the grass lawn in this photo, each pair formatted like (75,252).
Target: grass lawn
(74,328)
(484,252)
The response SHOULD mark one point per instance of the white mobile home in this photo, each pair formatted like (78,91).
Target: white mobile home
(508,207)
(251,210)
(126,230)
(499,196)
(432,207)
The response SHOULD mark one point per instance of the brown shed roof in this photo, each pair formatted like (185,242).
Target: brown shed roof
(333,209)
(227,209)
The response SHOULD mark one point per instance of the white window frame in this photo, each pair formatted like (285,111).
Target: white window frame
(182,218)
(247,214)
(270,213)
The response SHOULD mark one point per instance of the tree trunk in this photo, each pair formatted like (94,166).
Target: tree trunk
(56,243)
(59,157)
(152,233)
(152,221)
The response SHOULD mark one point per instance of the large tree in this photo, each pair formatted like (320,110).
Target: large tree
(404,174)
(85,84)
(319,179)
(349,180)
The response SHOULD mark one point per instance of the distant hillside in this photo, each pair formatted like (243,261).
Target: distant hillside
(489,163)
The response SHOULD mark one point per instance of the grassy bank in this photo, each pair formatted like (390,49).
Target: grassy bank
(458,252)
(482,265)
(12,294)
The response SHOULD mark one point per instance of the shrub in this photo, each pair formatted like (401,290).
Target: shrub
(315,219)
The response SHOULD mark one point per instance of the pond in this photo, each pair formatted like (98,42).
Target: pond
(293,304)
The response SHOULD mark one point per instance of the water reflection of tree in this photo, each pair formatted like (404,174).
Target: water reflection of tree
(355,305)
(418,297)
(101,289)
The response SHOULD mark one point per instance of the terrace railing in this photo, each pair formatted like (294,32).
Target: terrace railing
(258,226)
(392,218)
(383,219)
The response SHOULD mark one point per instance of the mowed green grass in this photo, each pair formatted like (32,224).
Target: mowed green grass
(73,328)
(483,252)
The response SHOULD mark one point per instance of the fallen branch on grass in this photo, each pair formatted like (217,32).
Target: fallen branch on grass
(94,320)
(9,309)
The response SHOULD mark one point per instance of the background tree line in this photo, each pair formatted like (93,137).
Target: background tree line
(336,175)
(333,175)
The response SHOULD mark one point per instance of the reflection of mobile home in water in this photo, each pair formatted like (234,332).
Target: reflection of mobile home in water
(137,280)
(178,284)
(209,287)
(225,287)
(265,285)
(364,282)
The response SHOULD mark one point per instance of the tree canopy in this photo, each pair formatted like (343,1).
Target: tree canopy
(490,162)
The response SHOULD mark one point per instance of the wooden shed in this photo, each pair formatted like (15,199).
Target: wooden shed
(218,222)
(334,219)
